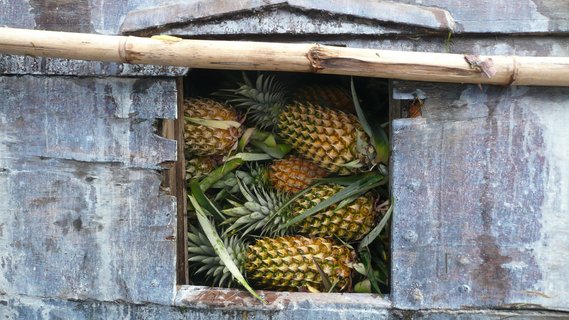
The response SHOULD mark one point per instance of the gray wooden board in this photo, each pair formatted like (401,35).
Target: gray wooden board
(280,21)
(79,230)
(20,65)
(481,44)
(482,199)
(387,12)
(29,308)
(505,16)
(87,119)
(104,16)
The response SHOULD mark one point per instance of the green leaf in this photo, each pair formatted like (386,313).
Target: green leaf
(361,117)
(344,180)
(363,286)
(368,182)
(220,249)
(378,136)
(365,257)
(325,280)
(217,124)
(198,194)
(220,172)
(278,151)
(248,156)
(245,138)
(377,230)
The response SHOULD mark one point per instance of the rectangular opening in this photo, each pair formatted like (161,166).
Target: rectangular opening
(203,86)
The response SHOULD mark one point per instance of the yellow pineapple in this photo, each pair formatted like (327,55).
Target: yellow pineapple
(204,137)
(294,174)
(289,263)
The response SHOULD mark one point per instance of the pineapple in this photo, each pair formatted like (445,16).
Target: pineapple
(208,140)
(294,174)
(330,96)
(203,259)
(332,139)
(282,263)
(199,167)
(265,211)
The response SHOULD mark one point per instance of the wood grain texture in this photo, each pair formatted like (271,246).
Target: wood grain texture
(175,181)
(230,55)
(285,23)
(481,212)
(376,13)
(513,17)
(87,119)
(300,307)
(78,230)
(83,216)
(105,16)
(22,65)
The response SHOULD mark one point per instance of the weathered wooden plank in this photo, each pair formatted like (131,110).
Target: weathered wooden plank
(515,17)
(284,22)
(175,181)
(481,44)
(482,315)
(29,308)
(77,230)
(22,65)
(482,205)
(290,307)
(87,119)
(387,12)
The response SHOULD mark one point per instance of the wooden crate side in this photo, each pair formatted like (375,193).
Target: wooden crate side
(87,119)
(83,213)
(22,65)
(482,209)
(79,230)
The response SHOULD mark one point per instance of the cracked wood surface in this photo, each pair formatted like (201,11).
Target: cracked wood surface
(83,215)
(105,16)
(482,203)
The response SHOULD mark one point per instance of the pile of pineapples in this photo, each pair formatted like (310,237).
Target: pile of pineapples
(299,148)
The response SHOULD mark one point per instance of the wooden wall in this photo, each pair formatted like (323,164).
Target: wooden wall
(82,212)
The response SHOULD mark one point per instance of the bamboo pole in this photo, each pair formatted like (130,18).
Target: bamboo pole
(268,56)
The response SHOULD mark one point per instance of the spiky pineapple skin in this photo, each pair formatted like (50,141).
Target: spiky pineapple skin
(199,167)
(288,263)
(330,96)
(202,140)
(332,139)
(294,174)
(349,223)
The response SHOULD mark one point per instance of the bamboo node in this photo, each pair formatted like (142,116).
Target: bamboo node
(515,71)
(485,66)
(122,51)
(314,56)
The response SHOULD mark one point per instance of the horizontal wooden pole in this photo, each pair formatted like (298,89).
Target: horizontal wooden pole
(270,56)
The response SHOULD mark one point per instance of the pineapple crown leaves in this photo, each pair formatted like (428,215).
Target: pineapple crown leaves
(377,230)
(216,124)
(264,101)
(206,261)
(213,237)
(263,141)
(256,212)
(377,135)
(356,185)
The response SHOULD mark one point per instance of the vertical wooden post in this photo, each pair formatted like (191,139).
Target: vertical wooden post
(175,180)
